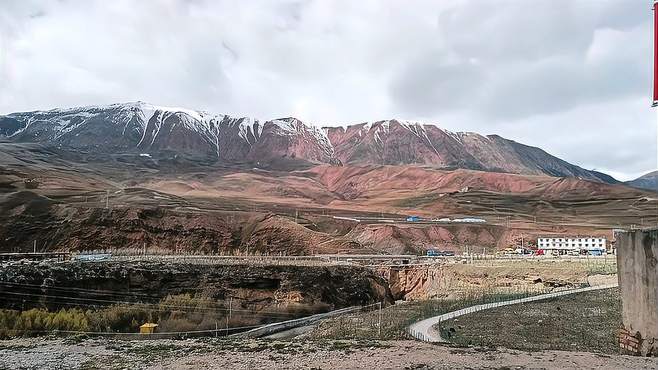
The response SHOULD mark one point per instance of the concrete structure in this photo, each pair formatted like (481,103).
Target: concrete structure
(637,261)
(566,244)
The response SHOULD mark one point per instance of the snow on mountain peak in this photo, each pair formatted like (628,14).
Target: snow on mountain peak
(150,127)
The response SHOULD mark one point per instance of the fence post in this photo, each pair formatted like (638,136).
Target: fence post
(379,323)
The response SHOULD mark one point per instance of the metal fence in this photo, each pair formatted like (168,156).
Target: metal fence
(229,260)
(424,330)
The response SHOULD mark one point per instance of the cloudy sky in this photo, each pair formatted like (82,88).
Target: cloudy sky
(571,76)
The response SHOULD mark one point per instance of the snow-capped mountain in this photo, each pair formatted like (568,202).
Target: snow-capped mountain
(155,130)
(403,142)
(150,129)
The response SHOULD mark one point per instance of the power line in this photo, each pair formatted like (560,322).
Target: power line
(109,292)
(159,305)
(155,308)
(83,290)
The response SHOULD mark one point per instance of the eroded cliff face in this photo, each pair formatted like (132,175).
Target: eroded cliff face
(451,280)
(250,287)
(26,216)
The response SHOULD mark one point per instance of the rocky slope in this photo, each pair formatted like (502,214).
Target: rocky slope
(253,287)
(440,281)
(26,217)
(158,131)
(401,239)
(648,181)
(399,142)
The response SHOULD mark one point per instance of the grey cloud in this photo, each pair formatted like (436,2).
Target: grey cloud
(496,31)
(530,61)
(432,85)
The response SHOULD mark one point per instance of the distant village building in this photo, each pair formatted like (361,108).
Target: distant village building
(564,245)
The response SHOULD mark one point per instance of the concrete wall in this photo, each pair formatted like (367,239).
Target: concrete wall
(637,261)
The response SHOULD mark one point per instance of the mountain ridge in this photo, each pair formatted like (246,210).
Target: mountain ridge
(150,129)
(648,181)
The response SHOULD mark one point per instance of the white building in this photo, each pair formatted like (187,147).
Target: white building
(564,244)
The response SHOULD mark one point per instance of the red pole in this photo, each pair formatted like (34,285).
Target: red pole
(655,62)
(655,53)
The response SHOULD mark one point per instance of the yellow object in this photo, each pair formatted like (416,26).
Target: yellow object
(148,328)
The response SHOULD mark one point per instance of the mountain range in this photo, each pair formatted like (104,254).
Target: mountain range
(648,181)
(157,131)
(123,176)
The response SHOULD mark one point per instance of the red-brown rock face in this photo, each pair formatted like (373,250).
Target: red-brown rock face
(395,142)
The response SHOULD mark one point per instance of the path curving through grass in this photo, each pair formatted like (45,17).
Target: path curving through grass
(425,330)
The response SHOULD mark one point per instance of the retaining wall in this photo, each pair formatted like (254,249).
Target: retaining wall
(637,260)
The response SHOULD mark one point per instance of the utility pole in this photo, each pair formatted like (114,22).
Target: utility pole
(35,246)
(379,321)
(228,317)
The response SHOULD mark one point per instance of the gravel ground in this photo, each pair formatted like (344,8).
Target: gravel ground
(44,353)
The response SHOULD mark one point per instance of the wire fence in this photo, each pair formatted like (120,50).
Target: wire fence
(395,322)
(429,330)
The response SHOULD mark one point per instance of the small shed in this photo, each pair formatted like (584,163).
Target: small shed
(148,328)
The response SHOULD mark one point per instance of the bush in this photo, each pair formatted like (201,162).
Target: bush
(37,321)
(121,318)
(174,313)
